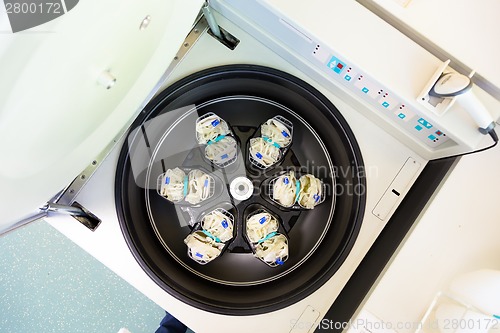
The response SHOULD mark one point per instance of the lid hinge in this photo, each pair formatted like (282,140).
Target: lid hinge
(216,31)
(75,210)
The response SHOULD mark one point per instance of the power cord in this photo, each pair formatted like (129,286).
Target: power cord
(493,136)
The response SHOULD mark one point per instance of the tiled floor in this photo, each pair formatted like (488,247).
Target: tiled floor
(49,284)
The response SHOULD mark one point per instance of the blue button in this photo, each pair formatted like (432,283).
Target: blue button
(365,90)
(418,128)
(336,65)
(385,104)
(432,137)
(401,116)
(347,78)
(425,123)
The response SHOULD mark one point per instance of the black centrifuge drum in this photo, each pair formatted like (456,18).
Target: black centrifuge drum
(236,282)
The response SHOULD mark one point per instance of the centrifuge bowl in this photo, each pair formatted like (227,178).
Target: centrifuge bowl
(163,137)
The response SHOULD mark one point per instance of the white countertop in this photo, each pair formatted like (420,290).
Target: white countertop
(460,28)
(457,233)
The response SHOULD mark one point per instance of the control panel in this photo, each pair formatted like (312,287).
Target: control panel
(386,102)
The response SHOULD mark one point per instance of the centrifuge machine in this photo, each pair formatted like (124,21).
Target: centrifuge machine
(112,93)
